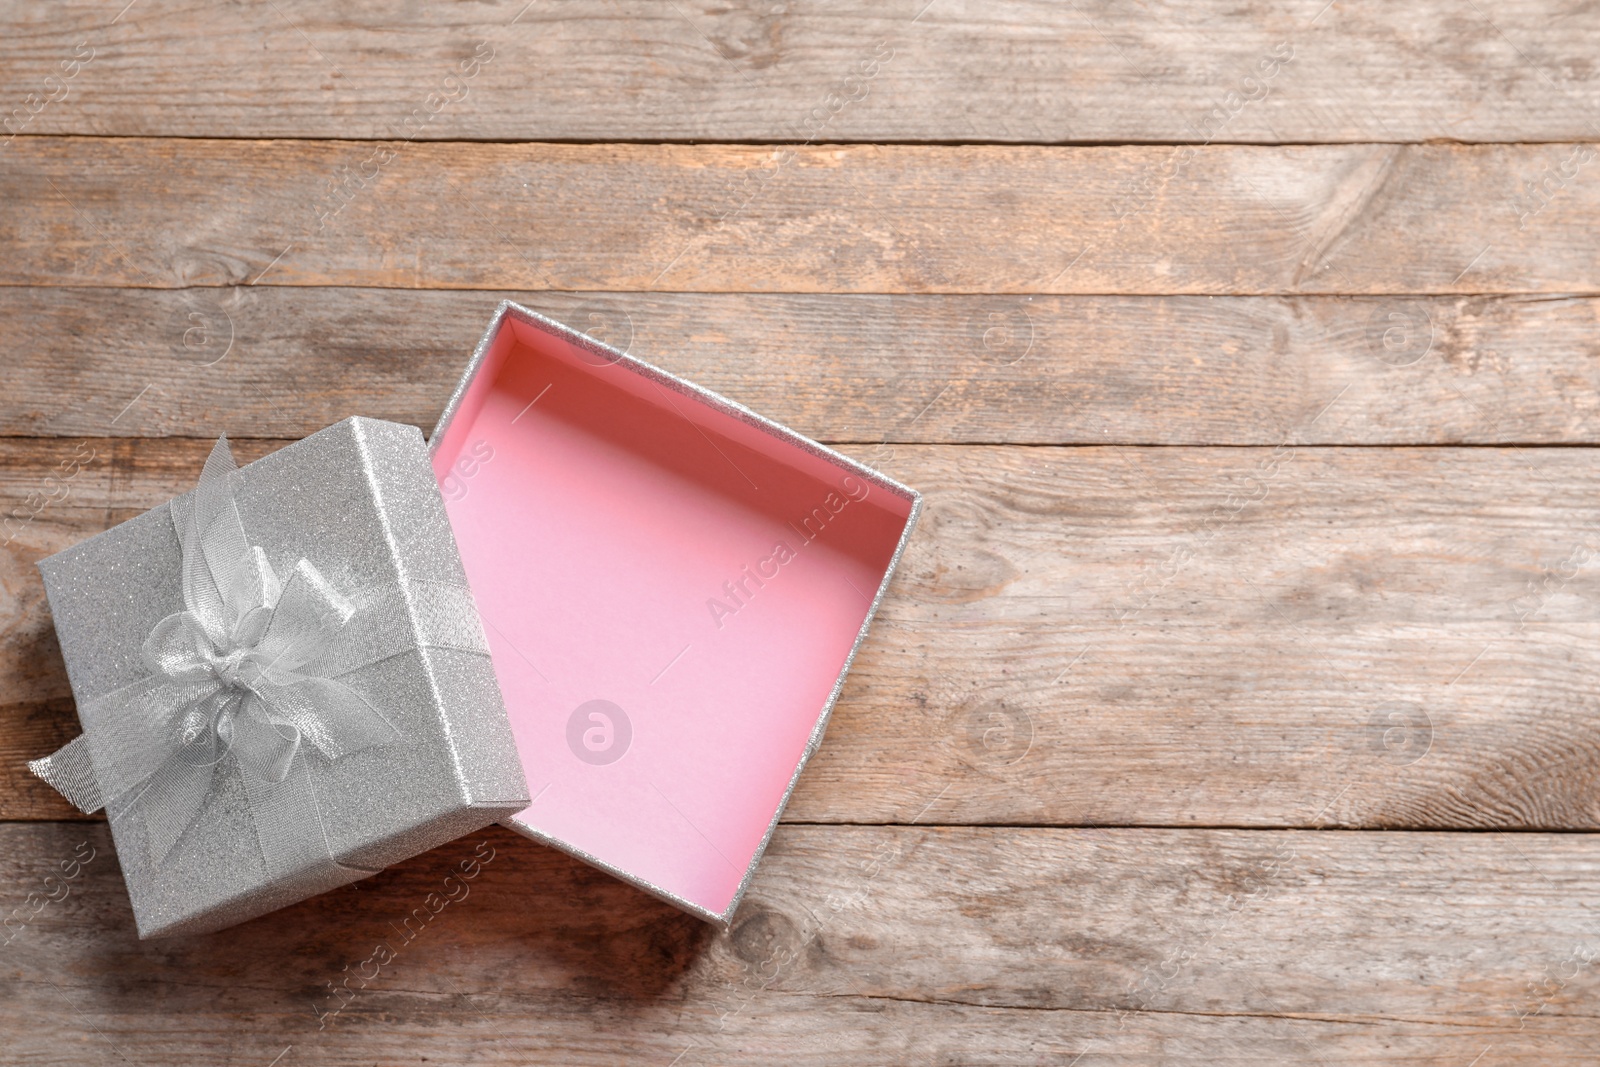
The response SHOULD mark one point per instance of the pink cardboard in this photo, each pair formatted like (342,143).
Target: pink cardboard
(673,588)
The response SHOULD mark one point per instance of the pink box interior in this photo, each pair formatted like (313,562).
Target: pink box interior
(671,593)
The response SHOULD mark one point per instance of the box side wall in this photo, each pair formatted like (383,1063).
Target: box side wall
(827,711)
(469,699)
(712,411)
(447,440)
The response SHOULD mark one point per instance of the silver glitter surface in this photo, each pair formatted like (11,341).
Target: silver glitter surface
(359,501)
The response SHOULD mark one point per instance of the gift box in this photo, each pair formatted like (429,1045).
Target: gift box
(673,588)
(282,679)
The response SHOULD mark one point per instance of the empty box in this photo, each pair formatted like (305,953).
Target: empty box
(673,588)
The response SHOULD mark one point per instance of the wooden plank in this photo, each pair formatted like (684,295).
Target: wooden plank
(906,945)
(1181,637)
(268,361)
(867,219)
(906,70)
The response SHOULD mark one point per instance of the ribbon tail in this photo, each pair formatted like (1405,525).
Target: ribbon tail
(132,731)
(290,830)
(440,615)
(241,571)
(144,772)
(70,771)
(166,804)
(306,618)
(222,576)
(331,716)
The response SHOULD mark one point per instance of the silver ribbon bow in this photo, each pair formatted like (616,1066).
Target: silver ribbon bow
(248,672)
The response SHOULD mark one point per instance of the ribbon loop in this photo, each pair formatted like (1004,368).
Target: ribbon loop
(263,746)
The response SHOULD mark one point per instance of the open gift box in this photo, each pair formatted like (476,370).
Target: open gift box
(673,588)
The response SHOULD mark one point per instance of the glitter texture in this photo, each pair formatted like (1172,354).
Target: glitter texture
(359,501)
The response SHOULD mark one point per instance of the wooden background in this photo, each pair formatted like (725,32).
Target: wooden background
(1237,699)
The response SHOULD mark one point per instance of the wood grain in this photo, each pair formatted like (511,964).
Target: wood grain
(906,945)
(1116,636)
(1217,220)
(1129,291)
(906,70)
(266,361)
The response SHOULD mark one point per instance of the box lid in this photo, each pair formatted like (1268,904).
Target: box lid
(358,504)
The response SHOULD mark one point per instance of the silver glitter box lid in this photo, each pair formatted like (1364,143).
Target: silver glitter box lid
(358,500)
